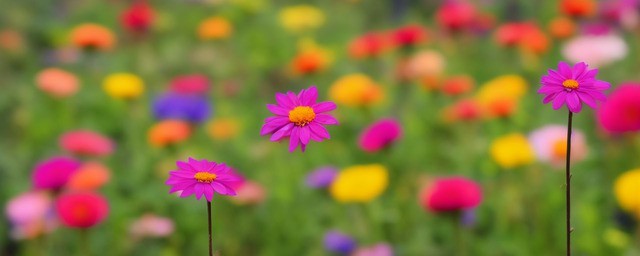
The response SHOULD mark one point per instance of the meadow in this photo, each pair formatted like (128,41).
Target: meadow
(101,98)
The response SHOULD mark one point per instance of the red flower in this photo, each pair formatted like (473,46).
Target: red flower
(409,35)
(81,209)
(138,18)
(456,15)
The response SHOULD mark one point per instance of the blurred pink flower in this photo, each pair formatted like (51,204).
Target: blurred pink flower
(456,15)
(81,209)
(380,249)
(190,84)
(597,50)
(54,172)
(550,144)
(621,112)
(57,82)
(151,225)
(28,207)
(380,135)
(250,193)
(86,142)
(451,194)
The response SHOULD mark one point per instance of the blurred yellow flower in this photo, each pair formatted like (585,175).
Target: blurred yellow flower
(499,96)
(355,90)
(627,191)
(512,150)
(123,86)
(359,183)
(214,28)
(300,18)
(223,128)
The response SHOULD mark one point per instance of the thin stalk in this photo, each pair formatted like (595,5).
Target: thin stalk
(568,184)
(209,222)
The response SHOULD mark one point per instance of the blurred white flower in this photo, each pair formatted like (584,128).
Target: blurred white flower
(595,50)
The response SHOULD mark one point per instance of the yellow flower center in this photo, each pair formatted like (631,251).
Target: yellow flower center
(302,115)
(570,84)
(205,177)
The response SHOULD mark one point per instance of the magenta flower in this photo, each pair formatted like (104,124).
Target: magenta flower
(572,86)
(54,172)
(621,112)
(299,117)
(379,135)
(202,178)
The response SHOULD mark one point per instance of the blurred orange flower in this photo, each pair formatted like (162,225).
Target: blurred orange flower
(578,8)
(223,128)
(90,176)
(463,110)
(11,40)
(562,27)
(499,96)
(426,63)
(457,85)
(311,58)
(92,36)
(369,45)
(534,41)
(169,132)
(214,28)
(527,35)
(57,82)
(355,90)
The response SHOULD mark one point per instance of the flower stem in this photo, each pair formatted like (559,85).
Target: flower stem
(209,222)
(568,184)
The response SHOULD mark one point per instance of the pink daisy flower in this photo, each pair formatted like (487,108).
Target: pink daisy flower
(202,178)
(300,118)
(572,86)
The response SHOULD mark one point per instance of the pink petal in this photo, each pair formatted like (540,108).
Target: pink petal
(273,126)
(294,140)
(284,101)
(578,70)
(275,109)
(184,166)
(324,107)
(305,134)
(309,97)
(559,100)
(565,70)
(187,192)
(303,147)
(325,119)
(573,102)
(550,89)
(208,193)
(587,99)
(588,75)
(549,98)
(284,131)
(319,130)
(219,188)
(293,98)
(199,189)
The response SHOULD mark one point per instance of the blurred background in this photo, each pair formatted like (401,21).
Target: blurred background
(443,147)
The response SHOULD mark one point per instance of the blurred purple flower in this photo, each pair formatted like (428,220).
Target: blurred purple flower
(380,249)
(468,218)
(321,177)
(192,108)
(338,242)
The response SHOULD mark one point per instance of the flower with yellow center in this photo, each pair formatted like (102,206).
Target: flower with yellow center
(302,115)
(205,177)
(356,90)
(570,84)
(359,183)
(511,151)
(301,18)
(123,86)
(627,191)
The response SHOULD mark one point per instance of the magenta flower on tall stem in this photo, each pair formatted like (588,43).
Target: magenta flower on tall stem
(203,178)
(572,86)
(300,118)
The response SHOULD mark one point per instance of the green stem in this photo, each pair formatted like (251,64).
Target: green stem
(209,228)
(568,184)
(85,248)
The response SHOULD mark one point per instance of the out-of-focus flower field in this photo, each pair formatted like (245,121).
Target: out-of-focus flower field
(442,144)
